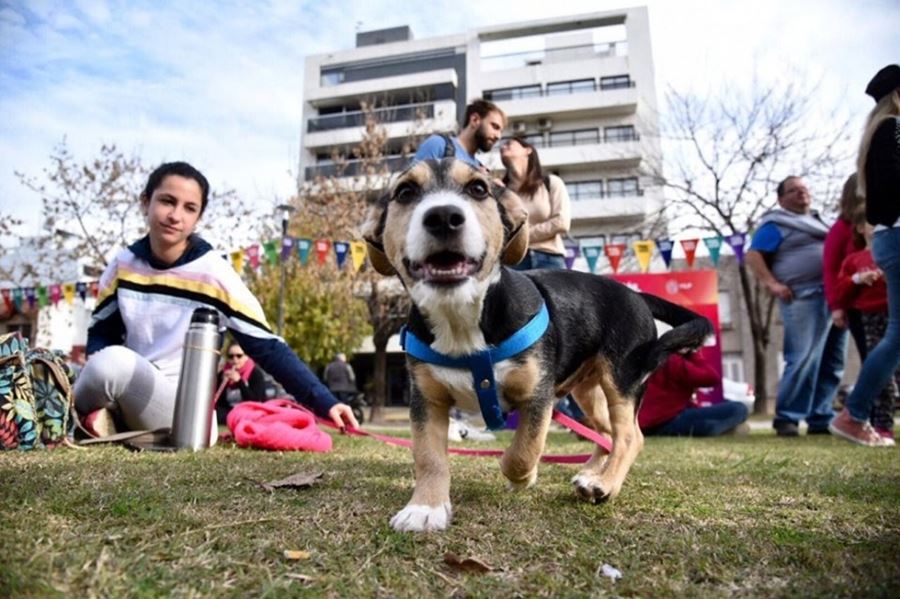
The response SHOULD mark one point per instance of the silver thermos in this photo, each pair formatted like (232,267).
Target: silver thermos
(197,382)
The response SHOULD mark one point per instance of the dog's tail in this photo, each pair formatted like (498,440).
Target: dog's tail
(689,330)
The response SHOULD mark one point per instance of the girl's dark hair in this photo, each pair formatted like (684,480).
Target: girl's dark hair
(534,174)
(858,219)
(182,169)
(850,199)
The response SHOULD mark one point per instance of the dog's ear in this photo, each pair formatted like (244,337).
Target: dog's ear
(373,232)
(516,219)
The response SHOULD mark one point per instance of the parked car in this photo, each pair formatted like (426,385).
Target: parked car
(738,391)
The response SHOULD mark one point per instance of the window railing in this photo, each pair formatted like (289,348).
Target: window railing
(593,190)
(352,168)
(613,136)
(559,139)
(608,83)
(357,118)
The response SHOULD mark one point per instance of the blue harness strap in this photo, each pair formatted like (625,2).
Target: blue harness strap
(481,364)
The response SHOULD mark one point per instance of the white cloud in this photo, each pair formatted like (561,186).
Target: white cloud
(219,84)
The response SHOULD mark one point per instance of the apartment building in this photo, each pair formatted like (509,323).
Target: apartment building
(581,88)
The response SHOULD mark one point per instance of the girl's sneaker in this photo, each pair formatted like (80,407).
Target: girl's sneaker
(855,431)
(887,436)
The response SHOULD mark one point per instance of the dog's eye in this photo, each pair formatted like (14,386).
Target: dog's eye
(406,192)
(478,189)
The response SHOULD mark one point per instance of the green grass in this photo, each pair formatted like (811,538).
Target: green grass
(756,516)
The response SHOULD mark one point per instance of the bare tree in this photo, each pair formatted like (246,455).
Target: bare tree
(725,154)
(91,209)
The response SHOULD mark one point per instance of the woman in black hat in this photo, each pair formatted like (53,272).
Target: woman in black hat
(878,168)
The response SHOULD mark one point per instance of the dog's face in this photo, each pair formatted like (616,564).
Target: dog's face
(444,226)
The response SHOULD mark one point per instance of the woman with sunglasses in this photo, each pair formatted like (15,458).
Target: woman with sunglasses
(147,296)
(244,381)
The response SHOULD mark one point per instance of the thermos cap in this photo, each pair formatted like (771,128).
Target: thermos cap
(205,315)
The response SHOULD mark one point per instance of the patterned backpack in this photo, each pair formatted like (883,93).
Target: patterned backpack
(35,395)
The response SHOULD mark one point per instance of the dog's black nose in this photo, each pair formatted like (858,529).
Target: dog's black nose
(444,221)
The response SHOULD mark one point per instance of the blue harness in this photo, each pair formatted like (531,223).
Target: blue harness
(481,364)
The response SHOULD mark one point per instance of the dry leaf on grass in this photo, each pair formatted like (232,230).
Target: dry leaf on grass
(299,577)
(296,554)
(468,564)
(301,480)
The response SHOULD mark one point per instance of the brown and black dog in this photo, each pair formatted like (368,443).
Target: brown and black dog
(447,231)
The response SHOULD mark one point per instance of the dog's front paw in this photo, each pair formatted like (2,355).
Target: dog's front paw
(590,488)
(422,518)
(520,485)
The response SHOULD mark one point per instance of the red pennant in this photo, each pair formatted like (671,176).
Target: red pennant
(95,289)
(322,247)
(253,256)
(614,252)
(689,246)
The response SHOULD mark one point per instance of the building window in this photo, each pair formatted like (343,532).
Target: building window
(513,93)
(571,87)
(585,190)
(725,308)
(617,188)
(535,139)
(619,133)
(616,82)
(574,138)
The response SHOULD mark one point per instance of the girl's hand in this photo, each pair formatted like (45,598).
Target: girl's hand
(342,415)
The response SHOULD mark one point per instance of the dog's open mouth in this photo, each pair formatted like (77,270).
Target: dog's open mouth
(444,268)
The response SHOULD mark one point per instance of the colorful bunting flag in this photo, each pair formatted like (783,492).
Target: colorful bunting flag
(322,247)
(18,297)
(591,254)
(736,241)
(644,252)
(665,250)
(287,248)
(571,253)
(614,253)
(95,289)
(68,290)
(340,252)
(357,254)
(270,248)
(237,261)
(42,299)
(253,256)
(30,297)
(714,245)
(690,247)
(303,247)
(55,293)
(81,289)
(7,299)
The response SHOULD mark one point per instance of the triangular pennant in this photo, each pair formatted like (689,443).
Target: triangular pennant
(303,247)
(18,296)
(591,254)
(7,299)
(34,295)
(665,250)
(736,241)
(237,260)
(643,249)
(357,254)
(714,245)
(572,252)
(81,289)
(271,250)
(614,253)
(340,252)
(287,248)
(253,256)
(94,287)
(690,248)
(68,291)
(322,247)
(55,293)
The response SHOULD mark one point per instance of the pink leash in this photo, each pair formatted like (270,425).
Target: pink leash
(562,419)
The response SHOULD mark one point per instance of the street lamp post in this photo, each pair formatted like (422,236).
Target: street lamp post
(285,210)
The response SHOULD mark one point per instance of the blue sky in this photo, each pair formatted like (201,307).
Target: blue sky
(219,83)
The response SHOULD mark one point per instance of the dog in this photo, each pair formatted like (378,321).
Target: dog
(450,232)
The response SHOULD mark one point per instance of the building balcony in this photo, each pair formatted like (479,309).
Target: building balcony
(578,104)
(378,87)
(355,168)
(348,128)
(623,154)
(605,207)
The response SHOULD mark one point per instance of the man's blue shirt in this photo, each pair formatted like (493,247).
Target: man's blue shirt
(767,239)
(434,146)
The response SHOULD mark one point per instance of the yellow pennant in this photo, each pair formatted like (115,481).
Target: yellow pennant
(68,290)
(644,251)
(357,254)
(237,260)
